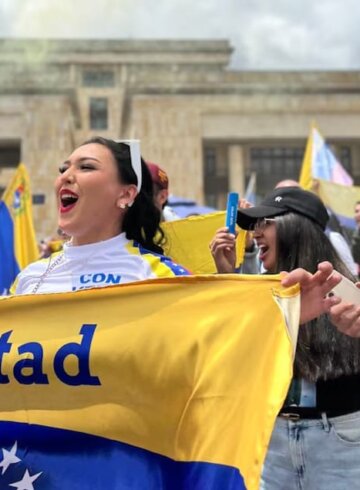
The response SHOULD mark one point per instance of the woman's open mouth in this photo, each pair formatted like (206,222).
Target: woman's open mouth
(68,200)
(263,251)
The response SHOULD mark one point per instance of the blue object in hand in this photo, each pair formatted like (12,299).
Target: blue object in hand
(231,211)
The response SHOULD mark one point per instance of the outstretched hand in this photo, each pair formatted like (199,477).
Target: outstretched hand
(314,290)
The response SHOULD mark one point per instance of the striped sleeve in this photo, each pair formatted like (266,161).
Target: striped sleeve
(160,265)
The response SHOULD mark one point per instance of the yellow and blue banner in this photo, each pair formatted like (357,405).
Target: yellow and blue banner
(340,199)
(18,245)
(320,163)
(163,384)
(187,241)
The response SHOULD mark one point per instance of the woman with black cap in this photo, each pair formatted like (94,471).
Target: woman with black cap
(316,439)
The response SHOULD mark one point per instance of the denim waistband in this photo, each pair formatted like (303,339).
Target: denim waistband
(302,413)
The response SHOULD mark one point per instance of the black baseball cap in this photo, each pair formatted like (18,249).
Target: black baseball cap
(285,200)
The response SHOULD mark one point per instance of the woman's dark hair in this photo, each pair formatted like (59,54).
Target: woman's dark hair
(142,220)
(322,351)
(302,243)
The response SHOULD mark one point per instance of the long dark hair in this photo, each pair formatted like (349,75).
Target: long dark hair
(142,220)
(322,351)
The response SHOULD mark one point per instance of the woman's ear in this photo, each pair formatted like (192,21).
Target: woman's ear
(127,196)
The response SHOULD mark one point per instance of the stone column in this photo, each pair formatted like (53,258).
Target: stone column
(236,169)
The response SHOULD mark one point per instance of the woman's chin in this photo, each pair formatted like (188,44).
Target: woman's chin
(65,229)
(269,267)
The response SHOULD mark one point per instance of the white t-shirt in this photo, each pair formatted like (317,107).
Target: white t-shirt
(114,261)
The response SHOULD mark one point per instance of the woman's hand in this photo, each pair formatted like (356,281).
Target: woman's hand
(223,250)
(346,317)
(314,290)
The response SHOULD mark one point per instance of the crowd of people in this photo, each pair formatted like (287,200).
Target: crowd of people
(110,207)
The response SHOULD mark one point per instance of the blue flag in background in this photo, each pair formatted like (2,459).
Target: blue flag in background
(8,264)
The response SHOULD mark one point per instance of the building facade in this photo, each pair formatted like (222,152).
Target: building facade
(210,127)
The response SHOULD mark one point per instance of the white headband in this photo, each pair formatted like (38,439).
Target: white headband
(135,158)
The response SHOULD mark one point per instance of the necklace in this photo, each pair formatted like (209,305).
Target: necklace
(79,262)
(51,266)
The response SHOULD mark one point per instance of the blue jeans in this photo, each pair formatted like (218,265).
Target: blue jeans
(314,454)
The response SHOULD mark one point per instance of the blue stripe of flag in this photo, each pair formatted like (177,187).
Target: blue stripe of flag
(76,461)
(9,268)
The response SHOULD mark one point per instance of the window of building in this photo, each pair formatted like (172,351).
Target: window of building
(98,113)
(92,78)
(9,158)
(273,164)
(216,176)
(9,155)
(210,162)
(212,201)
(38,199)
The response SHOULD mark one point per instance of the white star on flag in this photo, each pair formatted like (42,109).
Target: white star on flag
(9,457)
(27,481)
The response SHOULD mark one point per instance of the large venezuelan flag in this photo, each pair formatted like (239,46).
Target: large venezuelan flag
(167,384)
(17,235)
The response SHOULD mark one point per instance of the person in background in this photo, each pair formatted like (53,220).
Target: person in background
(52,244)
(161,192)
(333,230)
(316,440)
(287,183)
(355,239)
(105,203)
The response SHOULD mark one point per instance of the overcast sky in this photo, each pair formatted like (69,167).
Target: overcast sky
(265,34)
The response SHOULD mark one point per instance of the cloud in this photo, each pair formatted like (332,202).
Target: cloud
(275,34)
(305,35)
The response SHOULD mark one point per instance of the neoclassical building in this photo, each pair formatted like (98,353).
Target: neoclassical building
(209,126)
